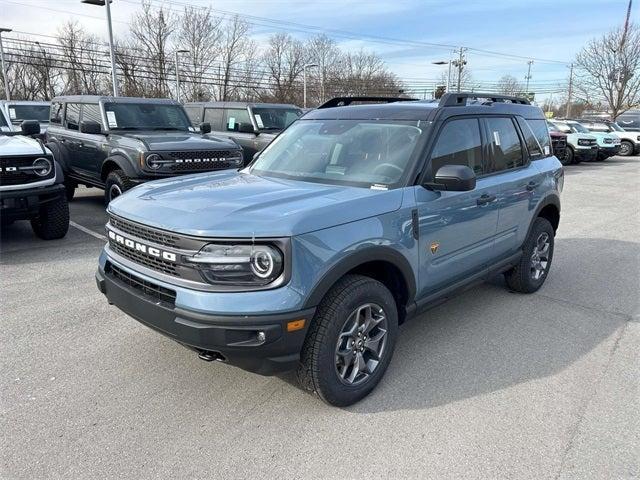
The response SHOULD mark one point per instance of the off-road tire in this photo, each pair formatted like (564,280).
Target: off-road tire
(52,221)
(317,369)
(70,188)
(628,151)
(519,278)
(116,178)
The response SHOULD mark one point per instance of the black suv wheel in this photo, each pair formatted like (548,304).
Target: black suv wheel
(350,342)
(626,148)
(116,184)
(537,253)
(52,220)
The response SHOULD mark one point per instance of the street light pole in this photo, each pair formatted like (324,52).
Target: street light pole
(102,3)
(178,74)
(4,68)
(304,82)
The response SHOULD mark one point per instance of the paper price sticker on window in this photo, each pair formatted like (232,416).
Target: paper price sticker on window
(546,150)
(259,120)
(231,123)
(496,137)
(12,113)
(111,119)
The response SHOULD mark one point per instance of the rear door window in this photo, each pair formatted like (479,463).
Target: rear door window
(72,116)
(91,113)
(235,116)
(458,144)
(505,149)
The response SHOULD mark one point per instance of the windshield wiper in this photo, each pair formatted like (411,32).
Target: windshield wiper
(271,128)
(169,128)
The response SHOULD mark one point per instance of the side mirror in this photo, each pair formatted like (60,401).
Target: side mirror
(30,127)
(91,127)
(245,128)
(205,128)
(454,178)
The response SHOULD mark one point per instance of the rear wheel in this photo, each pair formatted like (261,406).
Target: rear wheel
(350,342)
(116,184)
(626,148)
(52,221)
(537,253)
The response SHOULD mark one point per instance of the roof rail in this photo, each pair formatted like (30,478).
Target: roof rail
(460,99)
(346,101)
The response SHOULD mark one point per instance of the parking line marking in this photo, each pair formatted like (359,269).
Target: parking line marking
(86,230)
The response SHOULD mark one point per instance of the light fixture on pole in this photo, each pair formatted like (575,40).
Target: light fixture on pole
(4,68)
(304,82)
(103,3)
(178,74)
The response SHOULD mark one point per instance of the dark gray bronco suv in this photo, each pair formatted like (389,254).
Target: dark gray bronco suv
(115,143)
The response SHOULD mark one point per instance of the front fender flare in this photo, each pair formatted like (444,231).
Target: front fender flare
(123,163)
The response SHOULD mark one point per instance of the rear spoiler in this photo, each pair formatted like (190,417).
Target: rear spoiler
(346,101)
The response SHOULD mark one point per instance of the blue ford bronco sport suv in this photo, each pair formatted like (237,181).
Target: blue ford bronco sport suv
(351,221)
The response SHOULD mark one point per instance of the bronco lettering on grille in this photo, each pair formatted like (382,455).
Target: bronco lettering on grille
(141,247)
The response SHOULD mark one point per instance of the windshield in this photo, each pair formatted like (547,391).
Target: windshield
(18,113)
(366,153)
(578,127)
(275,118)
(146,116)
(553,128)
(615,127)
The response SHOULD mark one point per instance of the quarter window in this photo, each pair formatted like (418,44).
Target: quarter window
(72,116)
(535,150)
(458,144)
(540,129)
(505,150)
(236,116)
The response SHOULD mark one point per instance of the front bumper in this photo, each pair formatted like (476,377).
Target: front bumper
(606,152)
(24,204)
(586,154)
(233,339)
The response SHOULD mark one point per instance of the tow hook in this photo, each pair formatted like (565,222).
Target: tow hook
(209,356)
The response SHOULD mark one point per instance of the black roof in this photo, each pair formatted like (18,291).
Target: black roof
(241,104)
(110,99)
(463,103)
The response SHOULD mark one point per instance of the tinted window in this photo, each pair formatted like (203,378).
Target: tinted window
(275,118)
(146,116)
(72,117)
(56,113)
(536,135)
(194,114)
(20,112)
(236,116)
(458,144)
(91,113)
(214,117)
(505,151)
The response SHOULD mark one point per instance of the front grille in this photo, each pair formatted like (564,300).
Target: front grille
(148,288)
(204,160)
(143,259)
(20,177)
(144,233)
(559,146)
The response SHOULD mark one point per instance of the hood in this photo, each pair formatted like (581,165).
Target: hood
(20,145)
(159,140)
(241,205)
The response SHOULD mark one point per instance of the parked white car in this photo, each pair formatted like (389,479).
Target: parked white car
(630,141)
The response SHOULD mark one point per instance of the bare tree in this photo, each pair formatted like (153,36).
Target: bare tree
(85,67)
(609,69)
(509,85)
(24,78)
(234,49)
(284,58)
(200,32)
(324,52)
(152,28)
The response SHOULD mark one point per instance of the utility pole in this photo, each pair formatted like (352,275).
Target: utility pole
(528,77)
(568,110)
(460,63)
(4,68)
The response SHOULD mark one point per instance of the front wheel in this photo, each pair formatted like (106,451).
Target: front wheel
(626,149)
(569,157)
(537,253)
(350,342)
(116,184)
(52,221)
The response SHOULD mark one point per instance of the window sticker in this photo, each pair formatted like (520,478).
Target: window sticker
(546,150)
(231,123)
(111,119)
(496,137)
(12,113)
(259,120)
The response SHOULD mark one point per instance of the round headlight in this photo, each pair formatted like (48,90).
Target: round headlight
(42,166)
(154,161)
(262,263)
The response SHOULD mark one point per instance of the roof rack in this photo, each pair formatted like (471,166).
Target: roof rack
(460,99)
(346,101)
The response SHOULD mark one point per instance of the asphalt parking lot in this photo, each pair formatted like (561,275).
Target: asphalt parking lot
(491,384)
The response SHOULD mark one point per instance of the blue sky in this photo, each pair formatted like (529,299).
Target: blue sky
(542,29)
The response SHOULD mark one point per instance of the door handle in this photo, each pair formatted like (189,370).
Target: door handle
(532,186)
(484,199)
